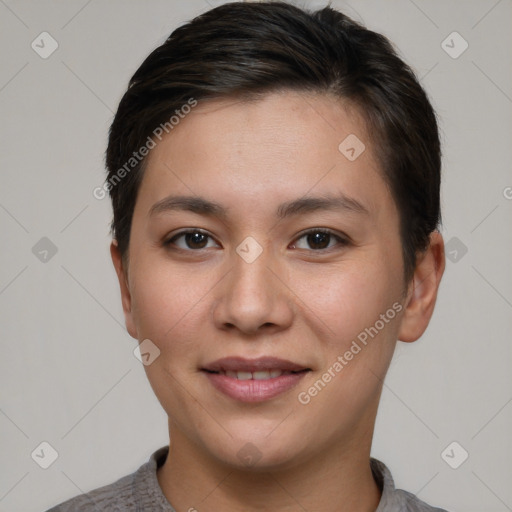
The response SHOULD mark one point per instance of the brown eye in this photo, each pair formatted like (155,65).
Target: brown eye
(318,239)
(192,240)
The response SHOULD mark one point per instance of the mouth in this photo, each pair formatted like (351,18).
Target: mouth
(257,375)
(254,380)
(237,363)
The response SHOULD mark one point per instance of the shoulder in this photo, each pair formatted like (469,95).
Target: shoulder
(413,504)
(393,499)
(133,492)
(116,497)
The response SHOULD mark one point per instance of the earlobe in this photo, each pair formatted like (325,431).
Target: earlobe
(122,276)
(422,293)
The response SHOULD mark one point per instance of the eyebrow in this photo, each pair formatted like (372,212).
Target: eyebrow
(301,206)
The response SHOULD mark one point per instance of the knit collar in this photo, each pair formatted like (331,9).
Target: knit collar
(148,492)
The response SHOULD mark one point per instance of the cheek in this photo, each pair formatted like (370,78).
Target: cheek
(166,300)
(342,302)
(358,347)
(166,306)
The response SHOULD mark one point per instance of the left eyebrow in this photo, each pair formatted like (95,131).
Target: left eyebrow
(301,206)
(311,204)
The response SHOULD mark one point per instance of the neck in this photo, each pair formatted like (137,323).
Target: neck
(336,480)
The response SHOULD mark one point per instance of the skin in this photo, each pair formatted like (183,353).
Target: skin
(300,300)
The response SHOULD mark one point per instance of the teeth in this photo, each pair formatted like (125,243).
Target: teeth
(259,375)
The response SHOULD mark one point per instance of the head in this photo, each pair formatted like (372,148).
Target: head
(272,120)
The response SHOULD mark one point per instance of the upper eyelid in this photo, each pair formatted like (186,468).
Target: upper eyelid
(320,230)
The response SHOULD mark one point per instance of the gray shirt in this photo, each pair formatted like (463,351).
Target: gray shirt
(140,492)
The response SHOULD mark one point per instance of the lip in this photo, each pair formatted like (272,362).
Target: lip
(252,390)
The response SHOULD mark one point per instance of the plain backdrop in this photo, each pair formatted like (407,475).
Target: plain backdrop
(69,377)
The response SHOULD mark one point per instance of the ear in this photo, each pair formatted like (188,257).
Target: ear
(126,299)
(422,292)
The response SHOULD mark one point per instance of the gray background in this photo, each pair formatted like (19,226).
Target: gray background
(68,373)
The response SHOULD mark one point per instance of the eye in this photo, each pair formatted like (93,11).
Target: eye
(319,239)
(192,239)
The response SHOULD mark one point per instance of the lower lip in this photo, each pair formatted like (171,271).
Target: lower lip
(254,390)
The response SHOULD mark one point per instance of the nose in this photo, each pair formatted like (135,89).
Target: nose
(253,297)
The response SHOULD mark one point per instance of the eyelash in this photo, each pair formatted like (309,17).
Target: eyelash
(340,239)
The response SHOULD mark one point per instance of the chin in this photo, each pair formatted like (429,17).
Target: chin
(259,452)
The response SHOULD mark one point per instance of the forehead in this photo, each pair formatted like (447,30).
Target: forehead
(282,146)
(280,119)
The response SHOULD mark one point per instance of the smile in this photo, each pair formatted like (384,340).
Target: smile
(257,386)
(257,375)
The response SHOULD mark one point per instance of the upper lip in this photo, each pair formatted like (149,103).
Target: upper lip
(253,365)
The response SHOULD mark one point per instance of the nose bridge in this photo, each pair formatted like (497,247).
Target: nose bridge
(251,267)
(252,296)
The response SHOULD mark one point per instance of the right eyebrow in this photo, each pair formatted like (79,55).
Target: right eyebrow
(197,205)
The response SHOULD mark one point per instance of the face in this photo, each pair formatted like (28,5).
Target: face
(281,247)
